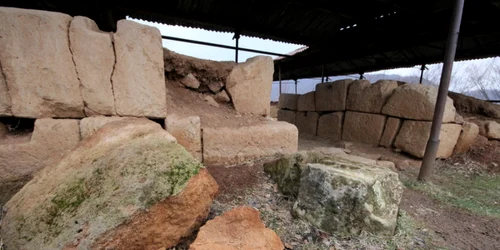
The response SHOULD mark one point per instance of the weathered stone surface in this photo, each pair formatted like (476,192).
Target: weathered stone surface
(467,137)
(345,198)
(234,145)
(330,126)
(89,125)
(129,186)
(307,122)
(363,127)
(289,101)
(215,87)
(187,131)
(3,130)
(40,73)
(492,130)
(287,116)
(190,81)
(139,76)
(287,170)
(249,85)
(391,130)
(468,104)
(306,102)
(239,228)
(417,102)
(366,97)
(5,103)
(210,100)
(51,140)
(222,97)
(413,136)
(331,96)
(94,59)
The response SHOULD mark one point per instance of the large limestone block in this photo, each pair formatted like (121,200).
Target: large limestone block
(306,102)
(345,198)
(90,125)
(390,132)
(492,130)
(413,136)
(307,122)
(288,101)
(330,126)
(417,102)
(94,57)
(331,96)
(139,77)
(363,127)
(239,228)
(5,104)
(187,131)
(50,141)
(128,186)
(287,116)
(38,65)
(233,145)
(366,97)
(467,137)
(249,85)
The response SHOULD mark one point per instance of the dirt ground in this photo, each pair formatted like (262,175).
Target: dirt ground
(425,222)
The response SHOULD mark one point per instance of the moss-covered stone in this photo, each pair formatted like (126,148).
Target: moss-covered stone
(286,171)
(120,172)
(345,198)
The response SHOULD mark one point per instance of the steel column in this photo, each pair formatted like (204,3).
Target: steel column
(279,73)
(422,73)
(323,73)
(451,47)
(295,86)
(237,37)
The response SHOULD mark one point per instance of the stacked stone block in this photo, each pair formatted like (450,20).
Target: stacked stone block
(385,113)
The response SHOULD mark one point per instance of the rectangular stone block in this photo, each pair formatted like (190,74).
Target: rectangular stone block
(287,116)
(37,63)
(306,102)
(89,125)
(5,104)
(187,131)
(467,137)
(222,146)
(363,127)
(413,137)
(307,122)
(139,75)
(288,101)
(366,97)
(330,126)
(390,132)
(331,96)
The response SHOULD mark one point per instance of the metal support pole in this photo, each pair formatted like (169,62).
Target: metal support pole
(361,76)
(323,73)
(279,74)
(295,86)
(237,37)
(451,47)
(422,73)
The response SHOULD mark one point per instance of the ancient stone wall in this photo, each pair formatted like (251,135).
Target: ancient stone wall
(73,79)
(383,113)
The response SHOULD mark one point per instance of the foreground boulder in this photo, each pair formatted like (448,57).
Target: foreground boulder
(128,186)
(38,65)
(402,103)
(239,228)
(249,85)
(345,198)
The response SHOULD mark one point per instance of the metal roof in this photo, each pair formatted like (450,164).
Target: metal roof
(346,36)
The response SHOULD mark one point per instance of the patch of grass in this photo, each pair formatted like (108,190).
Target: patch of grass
(478,193)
